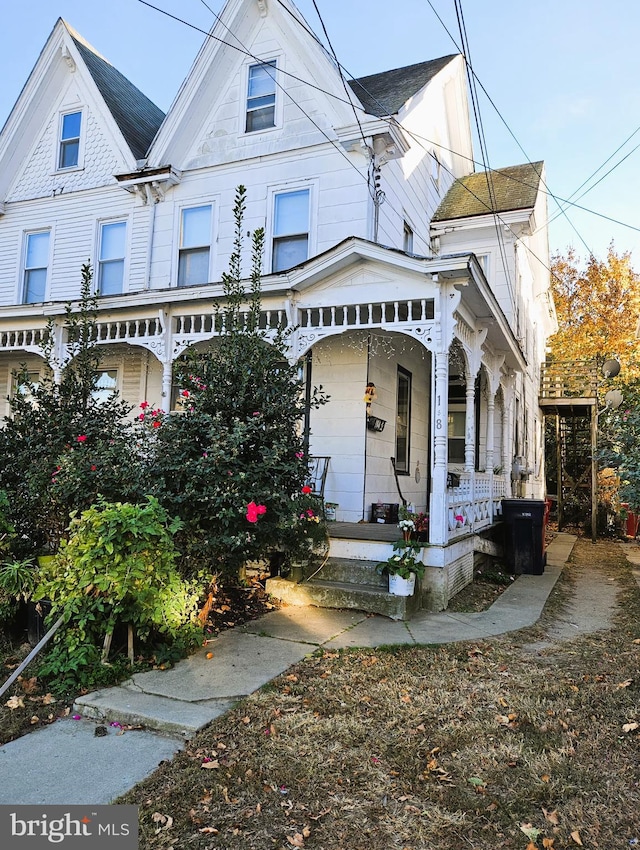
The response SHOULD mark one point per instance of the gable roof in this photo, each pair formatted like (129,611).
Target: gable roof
(513,188)
(386,93)
(137,117)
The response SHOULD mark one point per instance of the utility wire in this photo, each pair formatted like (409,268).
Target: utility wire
(414,135)
(483,142)
(600,167)
(504,121)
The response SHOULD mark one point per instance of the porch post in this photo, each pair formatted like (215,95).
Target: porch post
(470,424)
(438,509)
(491,407)
(508,394)
(167,372)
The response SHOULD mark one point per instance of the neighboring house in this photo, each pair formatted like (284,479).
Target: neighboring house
(382,253)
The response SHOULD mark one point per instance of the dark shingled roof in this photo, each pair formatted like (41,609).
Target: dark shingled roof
(385,93)
(513,188)
(136,116)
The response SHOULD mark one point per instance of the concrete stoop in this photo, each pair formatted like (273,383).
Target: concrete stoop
(345,583)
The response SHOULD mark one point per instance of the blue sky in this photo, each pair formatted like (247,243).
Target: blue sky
(563,74)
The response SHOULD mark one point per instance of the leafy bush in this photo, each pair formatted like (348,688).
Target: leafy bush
(237,441)
(118,566)
(61,446)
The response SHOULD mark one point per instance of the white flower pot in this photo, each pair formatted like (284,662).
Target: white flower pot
(399,586)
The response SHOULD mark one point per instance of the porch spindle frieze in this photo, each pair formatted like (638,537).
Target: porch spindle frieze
(412,317)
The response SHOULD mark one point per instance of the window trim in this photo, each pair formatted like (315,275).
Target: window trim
(403,465)
(194,203)
(278,58)
(23,265)
(79,165)
(124,259)
(273,192)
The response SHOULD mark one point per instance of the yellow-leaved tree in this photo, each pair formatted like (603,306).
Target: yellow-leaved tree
(598,306)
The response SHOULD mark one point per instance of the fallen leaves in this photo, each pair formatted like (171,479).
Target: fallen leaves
(297,839)
(15,702)
(575,835)
(630,727)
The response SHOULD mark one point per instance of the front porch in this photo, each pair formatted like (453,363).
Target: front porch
(349,578)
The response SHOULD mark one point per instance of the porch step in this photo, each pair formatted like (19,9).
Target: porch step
(338,594)
(351,571)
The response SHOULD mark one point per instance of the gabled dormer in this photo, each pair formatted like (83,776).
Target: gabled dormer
(261,84)
(76,123)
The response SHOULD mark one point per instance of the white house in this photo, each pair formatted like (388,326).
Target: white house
(394,263)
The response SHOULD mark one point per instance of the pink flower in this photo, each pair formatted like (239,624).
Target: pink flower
(156,424)
(93,467)
(299,455)
(185,393)
(306,490)
(144,405)
(254,511)
(256,413)
(82,438)
(141,417)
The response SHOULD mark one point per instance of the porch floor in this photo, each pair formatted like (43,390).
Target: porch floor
(373,531)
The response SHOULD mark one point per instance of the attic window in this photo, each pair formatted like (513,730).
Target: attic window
(261,97)
(69,152)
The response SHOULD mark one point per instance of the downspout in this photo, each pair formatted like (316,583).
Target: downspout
(306,434)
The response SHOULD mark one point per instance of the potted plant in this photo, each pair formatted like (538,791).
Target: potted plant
(403,566)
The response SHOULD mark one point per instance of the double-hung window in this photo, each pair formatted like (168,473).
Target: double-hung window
(290,229)
(36,261)
(69,149)
(261,97)
(195,245)
(111,257)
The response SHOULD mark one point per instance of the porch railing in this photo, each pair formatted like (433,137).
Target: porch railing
(474,503)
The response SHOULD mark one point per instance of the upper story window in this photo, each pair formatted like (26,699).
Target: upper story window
(290,229)
(261,97)
(435,168)
(111,257)
(195,245)
(69,150)
(407,238)
(36,261)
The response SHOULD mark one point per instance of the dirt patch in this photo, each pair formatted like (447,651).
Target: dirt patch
(476,744)
(482,592)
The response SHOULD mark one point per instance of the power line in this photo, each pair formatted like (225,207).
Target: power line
(389,120)
(504,121)
(313,85)
(482,140)
(241,48)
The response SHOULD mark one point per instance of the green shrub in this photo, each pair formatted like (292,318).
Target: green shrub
(118,566)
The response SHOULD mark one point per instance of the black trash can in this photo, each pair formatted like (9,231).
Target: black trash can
(524,521)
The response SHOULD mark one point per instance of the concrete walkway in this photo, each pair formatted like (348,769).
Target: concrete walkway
(67,763)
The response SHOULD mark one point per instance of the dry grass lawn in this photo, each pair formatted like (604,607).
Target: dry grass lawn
(478,745)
